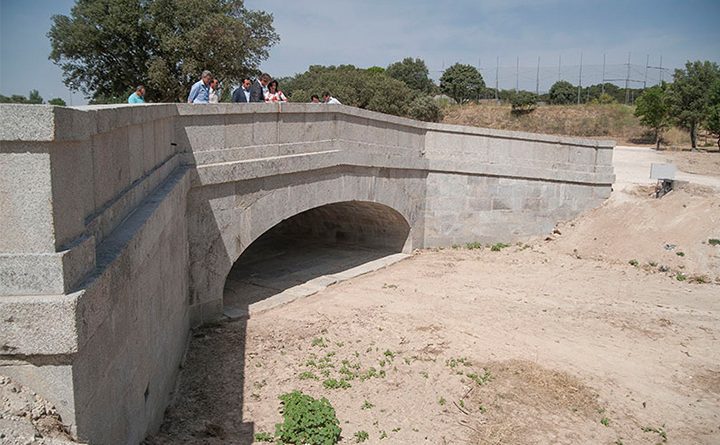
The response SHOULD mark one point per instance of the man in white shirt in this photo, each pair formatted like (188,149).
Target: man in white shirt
(328,99)
(214,96)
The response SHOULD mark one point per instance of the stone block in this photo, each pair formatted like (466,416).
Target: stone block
(265,129)
(72,189)
(111,165)
(26,199)
(239,130)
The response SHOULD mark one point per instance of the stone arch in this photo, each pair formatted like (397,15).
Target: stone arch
(225,221)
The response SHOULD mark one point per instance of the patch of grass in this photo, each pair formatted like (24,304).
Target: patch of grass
(442,401)
(319,342)
(383,435)
(479,379)
(605,421)
(264,437)
(307,375)
(371,372)
(714,242)
(367,405)
(336,384)
(660,432)
(680,253)
(680,276)
(699,279)
(455,362)
(497,247)
(307,420)
(389,354)
(361,436)
(424,374)
(633,262)
(389,286)
(474,245)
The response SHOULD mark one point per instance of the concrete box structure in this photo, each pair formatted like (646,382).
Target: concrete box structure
(120,223)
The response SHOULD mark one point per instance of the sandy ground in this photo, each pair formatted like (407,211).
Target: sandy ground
(604,332)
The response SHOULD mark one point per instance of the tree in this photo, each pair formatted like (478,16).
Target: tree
(690,96)
(713,120)
(462,83)
(413,72)
(424,108)
(563,92)
(57,102)
(33,98)
(523,102)
(652,109)
(106,47)
(353,86)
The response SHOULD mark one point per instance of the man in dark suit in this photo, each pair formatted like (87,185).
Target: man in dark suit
(257,90)
(242,94)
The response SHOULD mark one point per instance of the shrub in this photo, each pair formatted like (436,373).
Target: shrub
(307,420)
(424,108)
(523,102)
(562,93)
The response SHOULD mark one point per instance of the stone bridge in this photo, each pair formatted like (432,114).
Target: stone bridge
(120,224)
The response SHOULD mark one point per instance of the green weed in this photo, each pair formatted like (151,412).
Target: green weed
(307,420)
(361,436)
(336,384)
(497,247)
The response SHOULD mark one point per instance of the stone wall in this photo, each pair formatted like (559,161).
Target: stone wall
(121,223)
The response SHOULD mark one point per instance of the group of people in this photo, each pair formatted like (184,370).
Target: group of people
(207,91)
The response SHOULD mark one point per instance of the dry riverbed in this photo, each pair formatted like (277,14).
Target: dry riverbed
(557,341)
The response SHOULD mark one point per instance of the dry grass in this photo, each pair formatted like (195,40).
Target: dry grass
(522,395)
(611,121)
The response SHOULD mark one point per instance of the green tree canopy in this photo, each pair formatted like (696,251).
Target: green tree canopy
(652,109)
(353,86)
(106,47)
(523,102)
(413,72)
(57,102)
(713,119)
(563,92)
(462,83)
(690,95)
(33,98)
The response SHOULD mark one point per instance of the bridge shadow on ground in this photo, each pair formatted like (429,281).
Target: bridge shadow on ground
(273,265)
(208,407)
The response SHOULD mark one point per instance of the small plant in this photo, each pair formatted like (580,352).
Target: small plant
(389,286)
(307,420)
(479,379)
(714,242)
(680,253)
(319,342)
(442,401)
(264,437)
(361,436)
(389,354)
(395,430)
(652,264)
(367,405)
(680,276)
(605,421)
(497,247)
(455,362)
(482,409)
(383,435)
(307,375)
(336,384)
(633,262)
(424,374)
(660,432)
(474,245)
(699,279)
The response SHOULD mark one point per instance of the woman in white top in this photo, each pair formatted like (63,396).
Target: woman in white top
(274,94)
(214,96)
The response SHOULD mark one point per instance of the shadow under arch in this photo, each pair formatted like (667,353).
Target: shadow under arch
(320,241)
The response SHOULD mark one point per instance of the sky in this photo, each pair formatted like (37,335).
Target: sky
(503,37)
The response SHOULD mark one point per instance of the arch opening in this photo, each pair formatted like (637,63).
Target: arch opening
(321,241)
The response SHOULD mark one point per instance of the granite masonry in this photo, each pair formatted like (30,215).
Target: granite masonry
(119,224)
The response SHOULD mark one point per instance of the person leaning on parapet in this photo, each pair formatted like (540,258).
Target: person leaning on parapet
(138,97)
(274,94)
(314,99)
(328,99)
(259,88)
(242,94)
(214,96)
(200,91)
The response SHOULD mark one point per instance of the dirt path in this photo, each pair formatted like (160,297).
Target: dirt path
(560,342)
